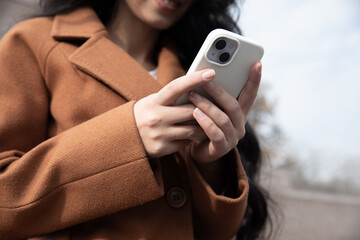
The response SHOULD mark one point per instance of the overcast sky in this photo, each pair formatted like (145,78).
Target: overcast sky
(311,62)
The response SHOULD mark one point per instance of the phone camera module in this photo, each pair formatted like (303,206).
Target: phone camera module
(220,44)
(224,57)
(222,50)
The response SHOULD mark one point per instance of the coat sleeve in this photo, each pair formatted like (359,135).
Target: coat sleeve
(96,168)
(218,216)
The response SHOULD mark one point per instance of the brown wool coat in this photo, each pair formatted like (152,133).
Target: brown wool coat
(72,164)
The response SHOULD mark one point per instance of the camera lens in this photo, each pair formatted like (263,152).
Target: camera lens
(220,44)
(224,57)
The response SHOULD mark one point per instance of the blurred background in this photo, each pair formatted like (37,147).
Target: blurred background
(306,114)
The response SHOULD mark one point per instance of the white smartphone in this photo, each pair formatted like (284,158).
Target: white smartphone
(231,56)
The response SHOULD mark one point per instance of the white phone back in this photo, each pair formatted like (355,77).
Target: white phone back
(233,75)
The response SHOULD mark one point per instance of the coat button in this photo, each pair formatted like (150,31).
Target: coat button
(176,197)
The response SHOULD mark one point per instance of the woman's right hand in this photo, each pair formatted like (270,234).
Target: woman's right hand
(159,121)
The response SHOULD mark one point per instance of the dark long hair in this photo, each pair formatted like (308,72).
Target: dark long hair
(257,212)
(188,35)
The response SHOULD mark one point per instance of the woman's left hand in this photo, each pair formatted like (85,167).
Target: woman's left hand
(226,126)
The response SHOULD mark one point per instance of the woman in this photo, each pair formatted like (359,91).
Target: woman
(91,146)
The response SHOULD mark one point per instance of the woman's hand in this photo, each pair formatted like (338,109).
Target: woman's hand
(224,125)
(158,120)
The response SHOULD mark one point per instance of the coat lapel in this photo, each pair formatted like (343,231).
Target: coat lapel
(107,62)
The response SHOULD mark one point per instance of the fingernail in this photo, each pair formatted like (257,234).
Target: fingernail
(260,68)
(208,75)
(199,113)
(195,95)
(210,85)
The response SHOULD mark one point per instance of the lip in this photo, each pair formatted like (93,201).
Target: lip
(166,6)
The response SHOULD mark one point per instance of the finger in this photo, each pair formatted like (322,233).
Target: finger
(179,114)
(212,131)
(175,89)
(221,120)
(248,95)
(224,100)
(185,132)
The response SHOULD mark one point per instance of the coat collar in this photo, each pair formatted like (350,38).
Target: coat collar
(107,62)
(79,24)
